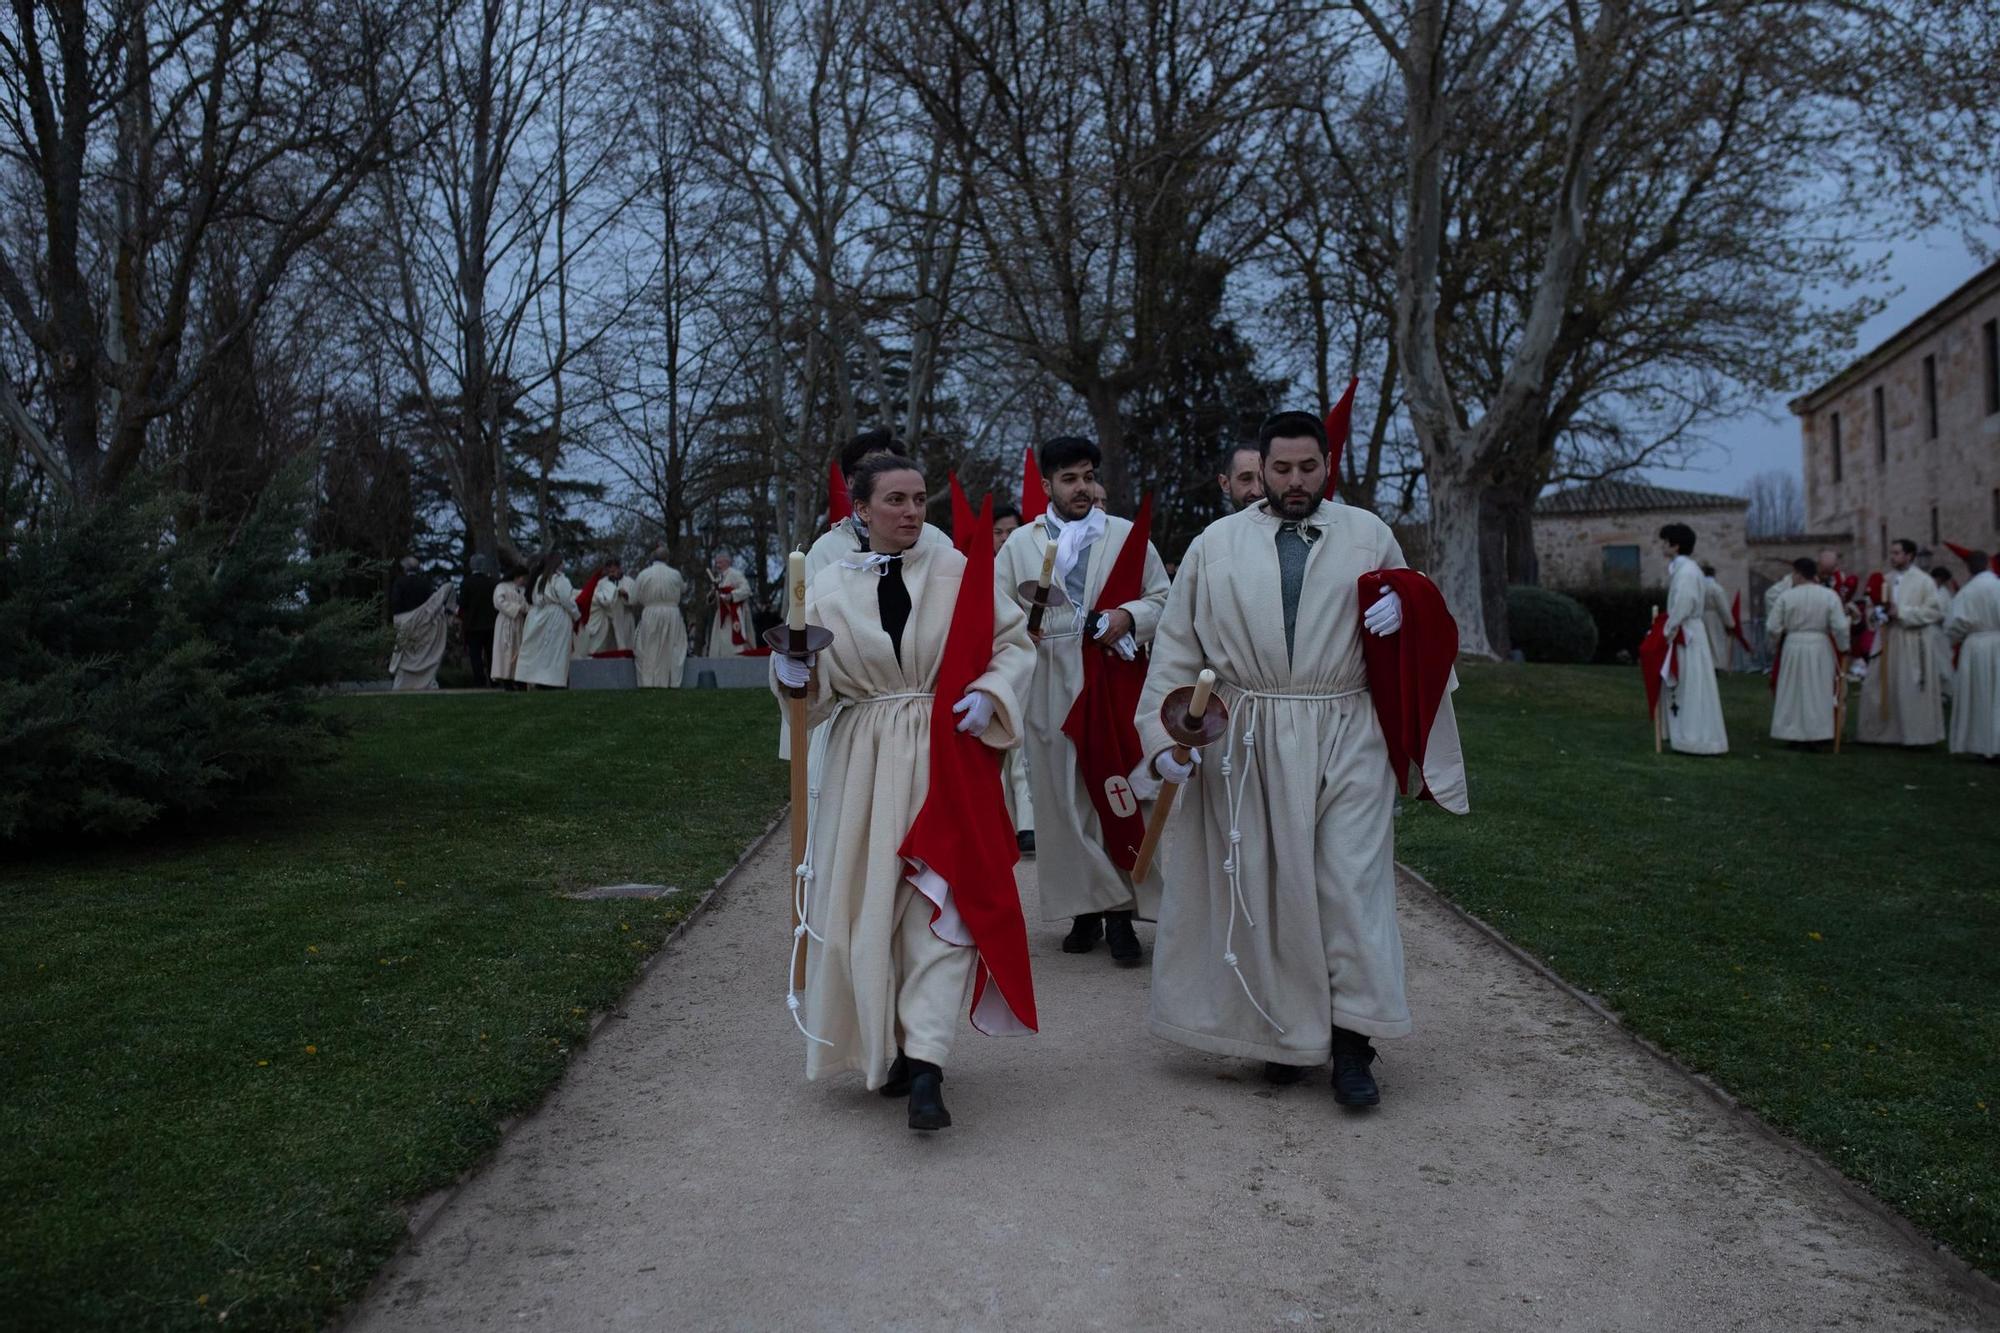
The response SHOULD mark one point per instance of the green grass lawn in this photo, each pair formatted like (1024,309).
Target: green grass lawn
(1820,934)
(229,1056)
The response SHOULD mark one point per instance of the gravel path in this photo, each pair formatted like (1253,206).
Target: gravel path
(1529,1169)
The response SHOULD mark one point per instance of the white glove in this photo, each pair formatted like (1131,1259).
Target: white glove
(1386,616)
(794,672)
(1126,646)
(1172,770)
(977,707)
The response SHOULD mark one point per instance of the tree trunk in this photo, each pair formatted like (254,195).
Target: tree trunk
(1494,503)
(1455,563)
(1116,474)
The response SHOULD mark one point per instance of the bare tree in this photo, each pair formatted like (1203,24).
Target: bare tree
(1777,504)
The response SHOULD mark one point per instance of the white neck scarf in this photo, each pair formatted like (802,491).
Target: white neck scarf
(870,562)
(1073,538)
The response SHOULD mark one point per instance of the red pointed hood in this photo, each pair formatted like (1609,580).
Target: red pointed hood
(839,503)
(1339,425)
(1033,499)
(962,521)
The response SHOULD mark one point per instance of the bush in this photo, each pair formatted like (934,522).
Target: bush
(1549,627)
(1622,616)
(151,667)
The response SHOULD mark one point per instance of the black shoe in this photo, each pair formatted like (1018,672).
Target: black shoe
(1124,941)
(1284,1075)
(1084,933)
(927,1096)
(1025,840)
(899,1077)
(1353,1085)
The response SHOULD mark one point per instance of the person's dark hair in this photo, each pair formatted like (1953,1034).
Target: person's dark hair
(1227,463)
(1977,563)
(1067,451)
(1006,511)
(880,440)
(1806,566)
(1681,535)
(1289,426)
(861,482)
(1708,569)
(1940,574)
(1905,545)
(549,562)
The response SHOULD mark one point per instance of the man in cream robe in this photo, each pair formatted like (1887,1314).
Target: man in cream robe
(1693,703)
(1940,643)
(1808,630)
(1975,629)
(421,633)
(1902,700)
(879,978)
(510,608)
(1278,936)
(1715,617)
(1078,879)
(732,628)
(659,640)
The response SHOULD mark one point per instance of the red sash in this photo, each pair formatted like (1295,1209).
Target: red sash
(1102,723)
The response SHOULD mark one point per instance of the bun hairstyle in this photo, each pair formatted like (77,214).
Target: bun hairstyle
(861,482)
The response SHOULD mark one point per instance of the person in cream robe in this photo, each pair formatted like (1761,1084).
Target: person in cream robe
(1715,617)
(1808,630)
(1079,881)
(510,608)
(1902,700)
(1975,628)
(882,988)
(1693,703)
(546,634)
(660,639)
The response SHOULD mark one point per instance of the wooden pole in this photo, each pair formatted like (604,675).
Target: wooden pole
(1653,614)
(1142,865)
(1839,699)
(801,736)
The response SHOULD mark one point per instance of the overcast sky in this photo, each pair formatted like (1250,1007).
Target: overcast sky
(1921,273)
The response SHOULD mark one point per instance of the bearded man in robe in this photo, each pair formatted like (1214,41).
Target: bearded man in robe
(1690,696)
(1974,629)
(1808,631)
(1241,479)
(659,640)
(1278,937)
(1081,879)
(1902,700)
(892,947)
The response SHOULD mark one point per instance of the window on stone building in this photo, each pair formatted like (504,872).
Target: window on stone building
(1834,431)
(1934,526)
(1930,398)
(1885,539)
(1881,427)
(1621,566)
(1992,331)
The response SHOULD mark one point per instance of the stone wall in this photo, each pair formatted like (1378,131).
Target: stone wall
(1570,547)
(1904,482)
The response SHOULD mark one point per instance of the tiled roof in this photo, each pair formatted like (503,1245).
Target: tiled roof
(1619,497)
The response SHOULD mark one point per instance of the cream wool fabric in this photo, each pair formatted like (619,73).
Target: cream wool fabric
(600,633)
(876,973)
(421,634)
(510,604)
(1715,619)
(1803,707)
(1975,628)
(1906,669)
(660,639)
(1315,935)
(545,638)
(1076,875)
(1692,702)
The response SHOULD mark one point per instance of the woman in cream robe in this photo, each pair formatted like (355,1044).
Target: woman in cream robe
(545,638)
(510,602)
(1808,669)
(1975,628)
(660,641)
(880,984)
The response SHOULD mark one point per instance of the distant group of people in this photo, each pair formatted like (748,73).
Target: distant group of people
(1915,640)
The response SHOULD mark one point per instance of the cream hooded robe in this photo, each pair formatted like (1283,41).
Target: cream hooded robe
(660,640)
(876,972)
(1975,705)
(732,586)
(1902,700)
(600,633)
(545,638)
(1803,707)
(1692,702)
(1715,619)
(1076,874)
(1313,935)
(510,605)
(421,635)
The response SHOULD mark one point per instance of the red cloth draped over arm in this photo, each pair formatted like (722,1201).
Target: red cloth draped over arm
(1408,671)
(583,598)
(1101,723)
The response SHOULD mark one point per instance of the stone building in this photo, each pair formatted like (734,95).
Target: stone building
(1905,442)
(1606,534)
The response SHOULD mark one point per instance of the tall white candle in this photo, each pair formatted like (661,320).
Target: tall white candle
(795,579)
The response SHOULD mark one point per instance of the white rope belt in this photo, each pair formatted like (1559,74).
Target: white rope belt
(802,874)
(1243,726)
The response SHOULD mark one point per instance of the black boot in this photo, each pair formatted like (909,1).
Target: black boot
(1353,1085)
(899,1078)
(1084,932)
(927,1096)
(1283,1075)
(1124,941)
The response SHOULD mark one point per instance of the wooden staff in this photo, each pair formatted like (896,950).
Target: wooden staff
(1839,698)
(1653,614)
(797,640)
(1039,602)
(1194,718)
(1882,658)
